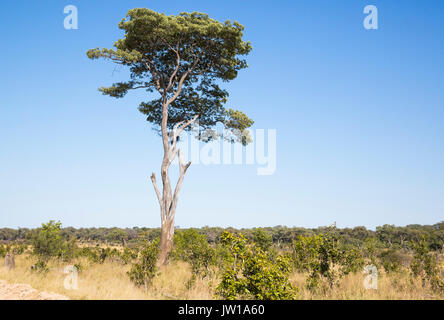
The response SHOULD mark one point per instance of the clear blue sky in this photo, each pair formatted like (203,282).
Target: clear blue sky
(359,117)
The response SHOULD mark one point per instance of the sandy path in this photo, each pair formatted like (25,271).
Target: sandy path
(25,292)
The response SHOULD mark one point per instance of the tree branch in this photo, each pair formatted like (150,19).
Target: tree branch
(159,197)
(177,130)
(181,81)
(183,169)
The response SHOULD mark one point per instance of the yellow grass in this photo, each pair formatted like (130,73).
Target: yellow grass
(109,281)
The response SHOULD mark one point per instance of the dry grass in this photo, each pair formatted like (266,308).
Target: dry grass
(109,281)
(397,286)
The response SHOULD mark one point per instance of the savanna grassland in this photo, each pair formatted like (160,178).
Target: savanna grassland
(324,263)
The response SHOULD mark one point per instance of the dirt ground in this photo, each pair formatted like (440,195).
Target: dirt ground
(25,292)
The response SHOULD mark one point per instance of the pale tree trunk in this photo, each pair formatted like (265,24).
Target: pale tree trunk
(168,199)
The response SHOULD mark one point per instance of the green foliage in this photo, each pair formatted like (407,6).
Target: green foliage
(262,239)
(424,265)
(128,255)
(117,235)
(3,251)
(358,237)
(390,260)
(192,247)
(14,248)
(251,274)
(19,248)
(41,266)
(370,251)
(326,261)
(91,253)
(183,57)
(49,243)
(145,269)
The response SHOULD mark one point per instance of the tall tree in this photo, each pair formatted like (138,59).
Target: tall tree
(183,58)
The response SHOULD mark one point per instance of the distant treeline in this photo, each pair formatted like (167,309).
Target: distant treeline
(387,235)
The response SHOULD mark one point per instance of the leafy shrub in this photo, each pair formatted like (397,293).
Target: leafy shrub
(192,247)
(326,261)
(41,266)
(251,274)
(262,239)
(390,260)
(91,253)
(128,255)
(49,243)
(3,251)
(14,248)
(145,269)
(370,251)
(424,265)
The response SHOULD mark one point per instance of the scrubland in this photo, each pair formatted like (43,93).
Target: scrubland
(110,281)
(317,266)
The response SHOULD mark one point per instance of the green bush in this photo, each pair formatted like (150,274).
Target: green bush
(325,259)
(145,269)
(192,247)
(262,239)
(390,260)
(41,266)
(48,243)
(3,251)
(91,253)
(370,250)
(250,274)
(425,266)
(128,255)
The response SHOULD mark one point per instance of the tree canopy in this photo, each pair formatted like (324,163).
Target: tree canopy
(184,57)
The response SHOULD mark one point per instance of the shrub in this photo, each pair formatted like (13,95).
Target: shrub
(145,269)
(3,251)
(192,247)
(262,239)
(128,255)
(91,253)
(49,243)
(251,274)
(390,260)
(370,250)
(41,266)
(424,265)
(325,259)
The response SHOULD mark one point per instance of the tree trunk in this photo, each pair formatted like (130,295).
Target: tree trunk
(168,199)
(166,240)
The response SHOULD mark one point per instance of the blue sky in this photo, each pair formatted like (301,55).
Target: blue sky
(358,113)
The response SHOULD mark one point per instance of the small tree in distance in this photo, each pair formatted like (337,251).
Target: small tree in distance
(182,58)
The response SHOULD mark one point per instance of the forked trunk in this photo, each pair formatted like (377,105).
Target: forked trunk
(168,199)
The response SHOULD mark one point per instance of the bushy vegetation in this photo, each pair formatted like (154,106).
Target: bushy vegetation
(387,236)
(193,248)
(145,269)
(325,260)
(48,243)
(425,266)
(252,264)
(16,248)
(251,274)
